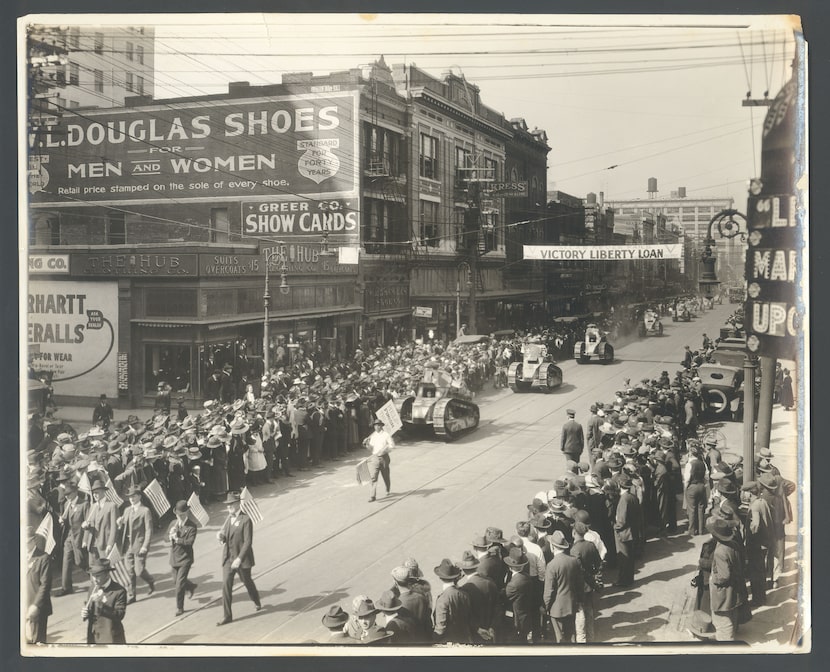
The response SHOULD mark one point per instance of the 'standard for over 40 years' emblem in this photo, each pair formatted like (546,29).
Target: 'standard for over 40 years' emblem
(318,163)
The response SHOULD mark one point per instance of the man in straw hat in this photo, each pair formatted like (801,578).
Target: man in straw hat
(136,525)
(105,607)
(453,611)
(727,589)
(381,444)
(182,534)
(236,537)
(564,585)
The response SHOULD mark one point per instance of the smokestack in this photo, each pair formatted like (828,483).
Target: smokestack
(601,198)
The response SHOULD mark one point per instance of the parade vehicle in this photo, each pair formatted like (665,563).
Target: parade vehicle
(736,294)
(536,371)
(651,325)
(594,347)
(722,389)
(682,313)
(438,404)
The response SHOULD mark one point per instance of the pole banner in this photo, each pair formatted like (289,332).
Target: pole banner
(602,252)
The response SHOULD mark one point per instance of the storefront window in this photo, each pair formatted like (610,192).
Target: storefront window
(168,364)
(169,302)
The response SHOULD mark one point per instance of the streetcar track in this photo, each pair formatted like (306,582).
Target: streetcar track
(621,369)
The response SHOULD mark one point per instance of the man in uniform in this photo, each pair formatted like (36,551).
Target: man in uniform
(236,537)
(573,438)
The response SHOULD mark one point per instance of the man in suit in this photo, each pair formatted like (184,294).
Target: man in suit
(564,587)
(587,555)
(452,614)
(627,532)
(522,596)
(399,621)
(182,534)
(74,512)
(573,438)
(136,525)
(236,537)
(594,435)
(101,523)
(415,603)
(102,415)
(484,597)
(727,586)
(38,588)
(105,607)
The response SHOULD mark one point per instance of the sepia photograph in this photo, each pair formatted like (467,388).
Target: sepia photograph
(413,334)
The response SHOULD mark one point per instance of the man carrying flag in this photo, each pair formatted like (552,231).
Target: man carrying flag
(182,534)
(74,512)
(197,510)
(136,525)
(236,537)
(250,507)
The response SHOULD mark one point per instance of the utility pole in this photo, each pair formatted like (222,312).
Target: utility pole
(473,226)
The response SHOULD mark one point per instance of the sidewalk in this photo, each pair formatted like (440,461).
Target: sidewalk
(777,623)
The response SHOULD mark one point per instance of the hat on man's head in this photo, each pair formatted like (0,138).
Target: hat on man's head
(516,558)
(447,571)
(388,602)
(365,608)
(181,507)
(537,506)
(720,529)
(232,498)
(401,575)
(494,535)
(335,617)
(557,540)
(571,412)
(133,490)
(100,566)
(468,560)
(480,542)
(378,422)
(768,480)
(411,565)
(540,521)
(97,485)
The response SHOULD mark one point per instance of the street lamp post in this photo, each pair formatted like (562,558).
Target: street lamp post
(273,256)
(730,227)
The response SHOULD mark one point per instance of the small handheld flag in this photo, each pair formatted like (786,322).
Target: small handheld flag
(197,510)
(250,507)
(157,497)
(45,531)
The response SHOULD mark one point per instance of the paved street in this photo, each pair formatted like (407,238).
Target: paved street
(322,543)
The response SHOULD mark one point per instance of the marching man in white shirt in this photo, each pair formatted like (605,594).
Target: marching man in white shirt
(381,444)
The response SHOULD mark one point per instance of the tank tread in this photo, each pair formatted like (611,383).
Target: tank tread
(452,416)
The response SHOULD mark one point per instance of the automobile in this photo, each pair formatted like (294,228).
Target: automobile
(681,313)
(594,347)
(651,324)
(536,371)
(722,389)
(438,405)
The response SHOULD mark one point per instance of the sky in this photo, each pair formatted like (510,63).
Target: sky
(622,99)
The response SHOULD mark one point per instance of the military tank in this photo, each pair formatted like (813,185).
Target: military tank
(438,404)
(594,347)
(651,324)
(536,371)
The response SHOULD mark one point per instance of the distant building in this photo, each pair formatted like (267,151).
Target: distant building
(100,66)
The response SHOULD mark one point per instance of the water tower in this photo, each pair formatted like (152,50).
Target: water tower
(652,186)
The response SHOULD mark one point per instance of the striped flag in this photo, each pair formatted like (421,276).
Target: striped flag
(197,510)
(119,567)
(45,531)
(157,497)
(111,494)
(362,472)
(84,485)
(249,506)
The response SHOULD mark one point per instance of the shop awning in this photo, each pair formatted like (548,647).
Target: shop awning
(284,316)
(390,315)
(516,294)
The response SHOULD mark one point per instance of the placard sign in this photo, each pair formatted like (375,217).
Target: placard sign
(388,414)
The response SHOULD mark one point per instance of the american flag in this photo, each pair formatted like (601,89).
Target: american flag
(119,567)
(157,497)
(45,531)
(362,472)
(197,510)
(111,494)
(249,506)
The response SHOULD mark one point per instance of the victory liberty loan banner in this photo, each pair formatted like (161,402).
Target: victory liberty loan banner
(602,252)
